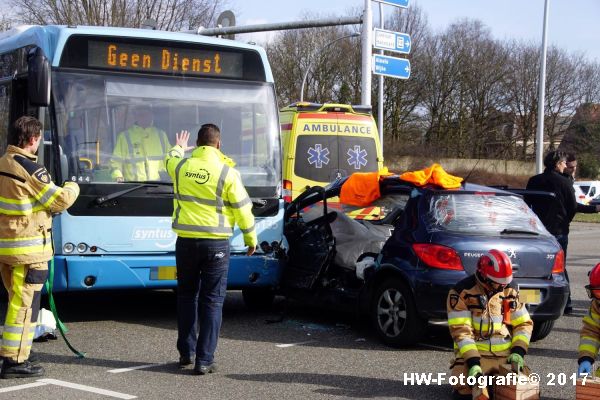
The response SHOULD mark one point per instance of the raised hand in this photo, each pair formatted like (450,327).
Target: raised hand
(181,139)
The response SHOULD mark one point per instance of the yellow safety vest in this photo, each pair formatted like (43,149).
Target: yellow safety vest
(210,197)
(139,154)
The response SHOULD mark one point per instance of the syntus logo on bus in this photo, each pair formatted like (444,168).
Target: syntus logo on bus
(150,58)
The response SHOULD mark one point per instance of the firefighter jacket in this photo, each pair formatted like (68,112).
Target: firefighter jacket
(27,198)
(209,195)
(480,323)
(139,154)
(589,338)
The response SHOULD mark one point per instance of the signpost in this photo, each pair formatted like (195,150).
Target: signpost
(392,41)
(397,3)
(391,66)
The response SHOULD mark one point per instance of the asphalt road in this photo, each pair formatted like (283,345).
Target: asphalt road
(291,352)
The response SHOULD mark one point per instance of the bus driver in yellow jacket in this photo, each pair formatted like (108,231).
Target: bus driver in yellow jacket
(140,150)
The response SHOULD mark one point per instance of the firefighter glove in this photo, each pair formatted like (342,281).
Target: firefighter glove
(585,367)
(516,359)
(475,370)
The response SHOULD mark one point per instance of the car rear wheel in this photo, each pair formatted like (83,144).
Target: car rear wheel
(541,329)
(394,314)
(258,298)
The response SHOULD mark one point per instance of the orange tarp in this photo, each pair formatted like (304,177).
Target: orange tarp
(432,175)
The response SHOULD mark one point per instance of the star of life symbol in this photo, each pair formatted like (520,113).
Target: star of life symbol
(358,157)
(318,156)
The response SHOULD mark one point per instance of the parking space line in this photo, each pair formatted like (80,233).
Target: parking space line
(87,388)
(119,370)
(21,387)
(285,345)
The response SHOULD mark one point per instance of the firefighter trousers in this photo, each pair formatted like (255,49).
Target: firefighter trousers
(23,283)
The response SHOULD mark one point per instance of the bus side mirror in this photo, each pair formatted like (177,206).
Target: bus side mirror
(38,71)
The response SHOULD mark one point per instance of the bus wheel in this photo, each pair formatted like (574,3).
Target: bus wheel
(258,298)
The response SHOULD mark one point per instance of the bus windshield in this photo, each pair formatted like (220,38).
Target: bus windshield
(102,121)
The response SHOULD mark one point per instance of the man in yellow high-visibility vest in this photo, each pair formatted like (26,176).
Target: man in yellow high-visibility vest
(210,199)
(140,150)
(27,198)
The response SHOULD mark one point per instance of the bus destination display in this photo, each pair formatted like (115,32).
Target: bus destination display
(164,59)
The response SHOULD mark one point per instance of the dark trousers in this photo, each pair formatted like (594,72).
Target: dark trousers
(202,266)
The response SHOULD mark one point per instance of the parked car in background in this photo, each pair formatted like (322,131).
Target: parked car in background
(396,259)
(586,191)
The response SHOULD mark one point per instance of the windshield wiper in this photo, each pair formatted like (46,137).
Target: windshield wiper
(517,231)
(108,197)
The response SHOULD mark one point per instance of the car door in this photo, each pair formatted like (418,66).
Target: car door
(311,245)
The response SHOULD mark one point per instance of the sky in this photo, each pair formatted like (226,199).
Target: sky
(572,24)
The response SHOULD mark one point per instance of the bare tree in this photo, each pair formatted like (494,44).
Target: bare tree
(169,14)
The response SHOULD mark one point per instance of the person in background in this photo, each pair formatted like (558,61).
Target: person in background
(210,199)
(589,337)
(140,150)
(488,323)
(30,197)
(557,215)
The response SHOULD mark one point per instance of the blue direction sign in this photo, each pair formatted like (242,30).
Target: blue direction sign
(391,66)
(393,41)
(397,3)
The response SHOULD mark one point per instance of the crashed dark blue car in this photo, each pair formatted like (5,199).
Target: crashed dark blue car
(396,259)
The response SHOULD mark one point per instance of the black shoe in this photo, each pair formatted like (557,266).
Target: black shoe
(26,369)
(568,310)
(33,358)
(205,369)
(457,396)
(185,361)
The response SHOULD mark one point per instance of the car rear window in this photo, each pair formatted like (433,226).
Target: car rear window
(389,205)
(484,214)
(325,158)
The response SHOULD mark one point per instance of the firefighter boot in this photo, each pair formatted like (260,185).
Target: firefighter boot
(26,369)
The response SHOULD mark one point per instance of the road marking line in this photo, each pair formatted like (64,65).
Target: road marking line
(285,345)
(87,388)
(21,387)
(119,370)
(431,346)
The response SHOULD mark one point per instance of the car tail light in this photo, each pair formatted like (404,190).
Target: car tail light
(438,256)
(287,191)
(559,263)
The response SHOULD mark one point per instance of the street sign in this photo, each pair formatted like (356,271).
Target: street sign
(391,66)
(393,41)
(397,3)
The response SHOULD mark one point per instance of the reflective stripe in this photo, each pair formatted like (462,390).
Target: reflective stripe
(522,337)
(589,320)
(10,243)
(589,344)
(206,229)
(12,329)
(239,204)
(588,348)
(4,205)
(16,344)
(460,321)
(50,191)
(219,193)
(248,230)
(176,190)
(466,345)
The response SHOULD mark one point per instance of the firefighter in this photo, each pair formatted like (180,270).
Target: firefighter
(140,150)
(589,338)
(27,198)
(488,324)
(210,199)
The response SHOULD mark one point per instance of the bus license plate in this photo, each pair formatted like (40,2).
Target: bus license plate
(530,296)
(163,273)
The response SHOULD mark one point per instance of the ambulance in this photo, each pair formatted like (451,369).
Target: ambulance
(326,142)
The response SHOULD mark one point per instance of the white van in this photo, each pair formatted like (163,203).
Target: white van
(585,191)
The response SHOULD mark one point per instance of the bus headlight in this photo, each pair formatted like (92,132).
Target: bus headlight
(82,247)
(68,247)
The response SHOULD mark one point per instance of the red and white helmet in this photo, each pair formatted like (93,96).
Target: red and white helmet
(593,289)
(495,266)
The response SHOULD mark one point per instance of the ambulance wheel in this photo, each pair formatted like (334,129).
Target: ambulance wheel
(394,314)
(258,298)
(541,329)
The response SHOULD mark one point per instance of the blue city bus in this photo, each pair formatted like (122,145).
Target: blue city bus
(84,83)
